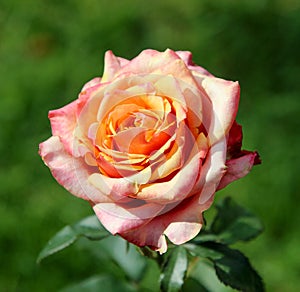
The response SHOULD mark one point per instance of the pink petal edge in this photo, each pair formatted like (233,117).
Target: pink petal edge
(72,173)
(186,56)
(180,225)
(238,168)
(63,123)
(224,96)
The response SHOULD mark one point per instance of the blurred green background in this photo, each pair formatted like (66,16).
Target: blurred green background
(49,49)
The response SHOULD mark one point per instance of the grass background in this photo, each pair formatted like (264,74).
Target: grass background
(49,49)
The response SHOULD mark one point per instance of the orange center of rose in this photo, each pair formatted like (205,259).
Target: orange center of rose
(132,132)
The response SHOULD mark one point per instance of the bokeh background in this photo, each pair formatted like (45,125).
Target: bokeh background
(49,49)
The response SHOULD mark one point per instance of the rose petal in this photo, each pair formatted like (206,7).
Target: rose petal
(63,122)
(120,91)
(117,188)
(95,81)
(177,188)
(225,98)
(238,168)
(88,114)
(174,158)
(211,173)
(172,161)
(235,138)
(180,224)
(88,91)
(148,234)
(111,66)
(186,56)
(72,173)
(118,218)
(171,87)
(192,99)
(162,63)
(188,222)
(122,186)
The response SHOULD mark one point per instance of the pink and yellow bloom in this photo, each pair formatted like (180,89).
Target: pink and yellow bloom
(148,145)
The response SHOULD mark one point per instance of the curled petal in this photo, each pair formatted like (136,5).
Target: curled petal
(63,122)
(88,114)
(238,168)
(188,223)
(117,188)
(118,218)
(87,93)
(224,96)
(95,81)
(234,142)
(180,224)
(211,173)
(111,66)
(186,56)
(154,62)
(72,173)
(177,188)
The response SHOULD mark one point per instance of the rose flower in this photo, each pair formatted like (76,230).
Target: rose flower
(148,145)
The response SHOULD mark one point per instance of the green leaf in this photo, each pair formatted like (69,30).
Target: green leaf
(234,223)
(235,270)
(232,267)
(59,241)
(193,285)
(174,270)
(105,283)
(89,227)
(151,276)
(202,251)
(125,255)
(202,271)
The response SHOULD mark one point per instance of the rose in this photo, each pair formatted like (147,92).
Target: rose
(148,145)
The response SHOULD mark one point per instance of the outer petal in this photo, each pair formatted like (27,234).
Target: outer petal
(63,123)
(150,234)
(154,62)
(117,188)
(88,92)
(186,56)
(238,168)
(111,66)
(70,172)
(212,171)
(95,81)
(180,225)
(234,143)
(187,224)
(120,218)
(224,96)
(88,112)
(64,120)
